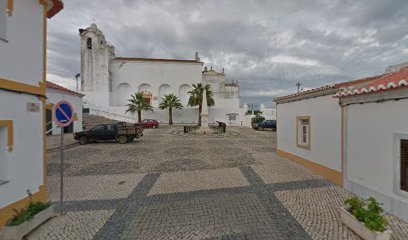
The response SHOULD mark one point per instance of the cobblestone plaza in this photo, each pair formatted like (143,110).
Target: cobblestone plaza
(170,186)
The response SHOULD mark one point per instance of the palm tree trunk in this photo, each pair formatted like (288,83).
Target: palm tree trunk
(200,108)
(170,116)
(139,116)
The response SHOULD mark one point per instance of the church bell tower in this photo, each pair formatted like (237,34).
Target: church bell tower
(96,55)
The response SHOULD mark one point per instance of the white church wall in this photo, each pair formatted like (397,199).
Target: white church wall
(164,89)
(180,116)
(123,91)
(183,93)
(178,78)
(227,103)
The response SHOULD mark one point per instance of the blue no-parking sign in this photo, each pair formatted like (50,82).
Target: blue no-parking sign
(63,113)
(63,116)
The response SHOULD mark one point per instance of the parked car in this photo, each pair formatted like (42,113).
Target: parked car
(265,124)
(121,132)
(150,123)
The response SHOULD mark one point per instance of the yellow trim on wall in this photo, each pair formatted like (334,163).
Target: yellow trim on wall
(328,173)
(298,118)
(10,133)
(49,106)
(10,7)
(44,41)
(44,114)
(45,5)
(8,211)
(23,87)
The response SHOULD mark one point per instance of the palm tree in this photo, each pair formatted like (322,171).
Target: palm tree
(170,102)
(196,98)
(137,103)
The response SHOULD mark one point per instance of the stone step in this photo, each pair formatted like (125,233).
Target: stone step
(90,120)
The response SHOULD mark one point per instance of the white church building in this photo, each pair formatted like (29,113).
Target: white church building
(108,82)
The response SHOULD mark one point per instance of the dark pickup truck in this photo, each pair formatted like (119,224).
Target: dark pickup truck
(121,132)
(265,124)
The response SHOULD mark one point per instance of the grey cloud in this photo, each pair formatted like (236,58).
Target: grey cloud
(347,39)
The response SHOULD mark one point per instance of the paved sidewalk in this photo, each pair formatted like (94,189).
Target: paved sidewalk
(54,141)
(166,186)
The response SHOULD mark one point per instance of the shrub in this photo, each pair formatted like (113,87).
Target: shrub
(369,213)
(257,119)
(26,214)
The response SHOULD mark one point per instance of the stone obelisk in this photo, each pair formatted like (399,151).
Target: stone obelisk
(204,115)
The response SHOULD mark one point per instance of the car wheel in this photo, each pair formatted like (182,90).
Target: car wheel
(260,128)
(154,127)
(83,140)
(123,139)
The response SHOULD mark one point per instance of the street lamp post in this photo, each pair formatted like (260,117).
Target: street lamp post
(77,84)
(252,108)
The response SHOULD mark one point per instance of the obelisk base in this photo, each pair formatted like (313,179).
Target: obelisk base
(204,129)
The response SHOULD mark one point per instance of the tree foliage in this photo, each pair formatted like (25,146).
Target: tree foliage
(258,118)
(196,97)
(170,102)
(137,104)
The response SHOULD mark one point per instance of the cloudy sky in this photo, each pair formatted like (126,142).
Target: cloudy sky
(265,45)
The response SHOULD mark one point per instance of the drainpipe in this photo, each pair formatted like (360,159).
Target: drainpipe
(344,111)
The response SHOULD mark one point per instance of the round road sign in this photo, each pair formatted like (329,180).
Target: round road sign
(63,113)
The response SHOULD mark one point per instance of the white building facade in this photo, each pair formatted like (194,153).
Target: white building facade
(376,141)
(309,130)
(23,29)
(108,81)
(56,93)
(354,134)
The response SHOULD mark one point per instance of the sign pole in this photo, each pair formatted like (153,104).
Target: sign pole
(62,173)
(63,114)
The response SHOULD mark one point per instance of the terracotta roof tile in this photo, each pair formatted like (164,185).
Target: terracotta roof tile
(384,82)
(54,6)
(324,90)
(304,94)
(63,89)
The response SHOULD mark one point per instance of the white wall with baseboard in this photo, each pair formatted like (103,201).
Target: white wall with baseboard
(325,144)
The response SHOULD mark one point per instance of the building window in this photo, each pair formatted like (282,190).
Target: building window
(3,19)
(88,42)
(303,132)
(404,164)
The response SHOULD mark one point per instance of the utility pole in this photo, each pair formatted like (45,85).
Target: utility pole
(298,84)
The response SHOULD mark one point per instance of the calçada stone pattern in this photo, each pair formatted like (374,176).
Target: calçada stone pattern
(167,186)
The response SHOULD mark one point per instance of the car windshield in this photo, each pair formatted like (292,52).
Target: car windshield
(98,127)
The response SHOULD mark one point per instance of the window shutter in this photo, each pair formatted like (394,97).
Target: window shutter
(404,164)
